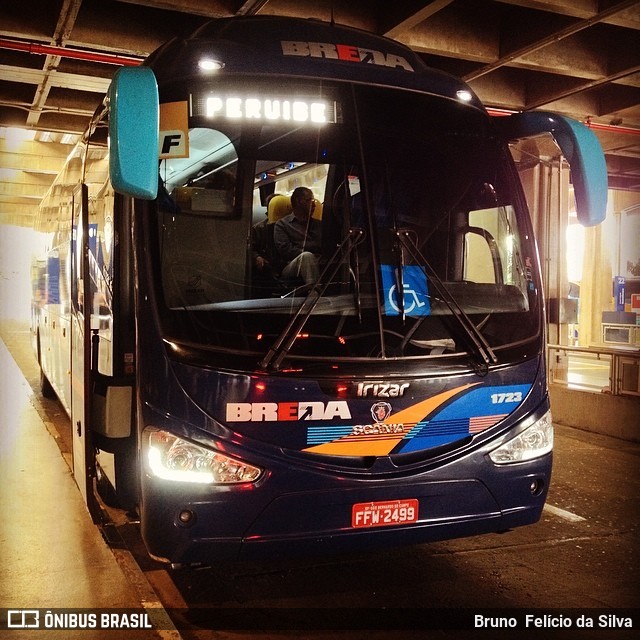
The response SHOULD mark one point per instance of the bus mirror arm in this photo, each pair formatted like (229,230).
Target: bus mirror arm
(580,147)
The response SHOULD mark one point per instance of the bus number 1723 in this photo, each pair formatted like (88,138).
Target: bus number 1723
(502,398)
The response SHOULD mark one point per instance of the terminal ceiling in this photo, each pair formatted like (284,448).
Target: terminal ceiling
(577,57)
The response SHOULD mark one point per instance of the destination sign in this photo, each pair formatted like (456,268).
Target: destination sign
(271,109)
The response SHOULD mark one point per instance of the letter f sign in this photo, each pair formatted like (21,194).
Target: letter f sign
(172,144)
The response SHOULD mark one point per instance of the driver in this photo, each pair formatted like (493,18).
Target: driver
(297,238)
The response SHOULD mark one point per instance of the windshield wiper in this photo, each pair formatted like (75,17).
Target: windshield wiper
(281,347)
(474,337)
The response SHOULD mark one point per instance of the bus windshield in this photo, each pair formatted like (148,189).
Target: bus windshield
(416,228)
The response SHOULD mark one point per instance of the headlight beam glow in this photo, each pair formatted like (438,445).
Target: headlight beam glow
(533,442)
(175,459)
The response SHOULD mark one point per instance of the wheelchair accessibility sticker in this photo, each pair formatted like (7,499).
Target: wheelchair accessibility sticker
(415,296)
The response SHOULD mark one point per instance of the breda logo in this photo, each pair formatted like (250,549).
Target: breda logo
(345,53)
(283,411)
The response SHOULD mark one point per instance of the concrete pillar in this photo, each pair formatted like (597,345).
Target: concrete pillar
(546,187)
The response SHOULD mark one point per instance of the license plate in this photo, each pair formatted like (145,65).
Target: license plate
(384,514)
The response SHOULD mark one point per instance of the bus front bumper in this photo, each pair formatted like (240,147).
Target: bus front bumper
(183,528)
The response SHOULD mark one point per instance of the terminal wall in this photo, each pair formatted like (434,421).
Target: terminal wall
(603,413)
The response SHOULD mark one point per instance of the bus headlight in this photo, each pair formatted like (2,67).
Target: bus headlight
(173,458)
(533,442)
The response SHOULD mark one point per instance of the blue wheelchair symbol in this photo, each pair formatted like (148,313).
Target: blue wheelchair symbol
(415,292)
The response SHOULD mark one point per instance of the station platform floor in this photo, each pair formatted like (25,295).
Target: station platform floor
(53,556)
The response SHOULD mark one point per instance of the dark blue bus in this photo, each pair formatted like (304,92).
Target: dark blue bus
(399,395)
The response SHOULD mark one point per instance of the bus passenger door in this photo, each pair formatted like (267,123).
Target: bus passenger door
(81,290)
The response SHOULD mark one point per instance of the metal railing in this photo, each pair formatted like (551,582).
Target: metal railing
(614,370)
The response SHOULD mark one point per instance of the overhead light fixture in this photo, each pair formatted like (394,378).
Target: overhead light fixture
(464,95)
(210,64)
(15,136)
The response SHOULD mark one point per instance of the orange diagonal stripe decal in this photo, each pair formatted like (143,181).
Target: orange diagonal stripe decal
(382,444)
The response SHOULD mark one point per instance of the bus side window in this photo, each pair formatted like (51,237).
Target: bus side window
(481,257)
(77,235)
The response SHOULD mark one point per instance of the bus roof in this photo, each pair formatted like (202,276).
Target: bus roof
(304,48)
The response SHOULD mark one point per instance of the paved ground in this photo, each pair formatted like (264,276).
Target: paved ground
(581,559)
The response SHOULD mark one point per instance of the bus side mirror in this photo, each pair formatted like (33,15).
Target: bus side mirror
(133,132)
(580,147)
